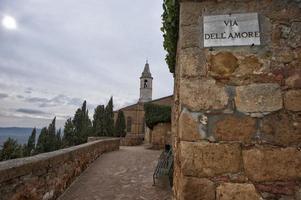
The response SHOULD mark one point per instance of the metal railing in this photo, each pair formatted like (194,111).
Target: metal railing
(164,166)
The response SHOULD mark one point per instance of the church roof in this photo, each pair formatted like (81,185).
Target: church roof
(146,72)
(155,101)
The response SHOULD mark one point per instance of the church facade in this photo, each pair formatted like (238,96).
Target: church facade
(134,114)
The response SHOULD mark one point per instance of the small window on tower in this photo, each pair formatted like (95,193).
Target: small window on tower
(145,83)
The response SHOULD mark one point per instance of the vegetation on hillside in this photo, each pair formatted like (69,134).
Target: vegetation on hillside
(170,28)
(11,149)
(155,114)
(76,131)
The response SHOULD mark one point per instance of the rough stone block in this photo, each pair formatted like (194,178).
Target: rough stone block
(189,127)
(237,191)
(203,94)
(282,188)
(272,164)
(189,37)
(197,188)
(294,35)
(223,64)
(258,98)
(203,159)
(281,129)
(294,80)
(249,65)
(235,128)
(190,13)
(192,62)
(285,56)
(292,100)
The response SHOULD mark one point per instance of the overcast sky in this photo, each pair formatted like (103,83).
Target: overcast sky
(65,51)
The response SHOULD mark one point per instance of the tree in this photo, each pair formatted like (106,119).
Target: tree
(51,142)
(82,124)
(10,150)
(31,143)
(120,125)
(109,119)
(58,139)
(41,144)
(47,141)
(99,121)
(69,134)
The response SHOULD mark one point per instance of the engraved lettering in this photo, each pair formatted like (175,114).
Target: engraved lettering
(231,23)
(231,30)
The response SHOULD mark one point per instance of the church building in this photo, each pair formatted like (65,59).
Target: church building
(134,114)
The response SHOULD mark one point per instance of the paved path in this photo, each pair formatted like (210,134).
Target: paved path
(125,174)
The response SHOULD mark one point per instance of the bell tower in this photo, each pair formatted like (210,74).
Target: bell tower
(146,84)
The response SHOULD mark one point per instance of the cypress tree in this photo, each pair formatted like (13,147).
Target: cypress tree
(31,143)
(77,122)
(51,142)
(120,125)
(41,144)
(99,121)
(47,138)
(69,134)
(58,139)
(82,124)
(109,119)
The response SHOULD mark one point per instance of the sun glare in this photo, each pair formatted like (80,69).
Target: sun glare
(9,22)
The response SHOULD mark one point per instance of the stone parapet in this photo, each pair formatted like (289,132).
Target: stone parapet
(131,140)
(47,175)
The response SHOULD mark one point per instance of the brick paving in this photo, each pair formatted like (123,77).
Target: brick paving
(120,175)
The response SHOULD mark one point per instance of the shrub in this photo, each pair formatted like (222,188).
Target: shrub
(155,114)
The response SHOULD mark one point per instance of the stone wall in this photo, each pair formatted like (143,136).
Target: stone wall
(160,135)
(46,176)
(131,140)
(237,110)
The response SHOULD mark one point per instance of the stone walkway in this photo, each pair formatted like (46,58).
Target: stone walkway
(125,174)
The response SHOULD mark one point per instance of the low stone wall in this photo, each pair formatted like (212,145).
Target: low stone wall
(92,139)
(131,140)
(46,176)
(160,135)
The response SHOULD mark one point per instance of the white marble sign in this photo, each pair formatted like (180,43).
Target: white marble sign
(231,30)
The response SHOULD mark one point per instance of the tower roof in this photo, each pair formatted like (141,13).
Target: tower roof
(146,72)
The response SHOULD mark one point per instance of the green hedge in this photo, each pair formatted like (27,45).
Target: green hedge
(155,114)
(170,30)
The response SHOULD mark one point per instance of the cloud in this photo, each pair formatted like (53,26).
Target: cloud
(20,96)
(95,49)
(30,111)
(58,100)
(3,95)
(28,90)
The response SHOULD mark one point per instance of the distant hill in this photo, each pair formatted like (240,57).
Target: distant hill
(18,133)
